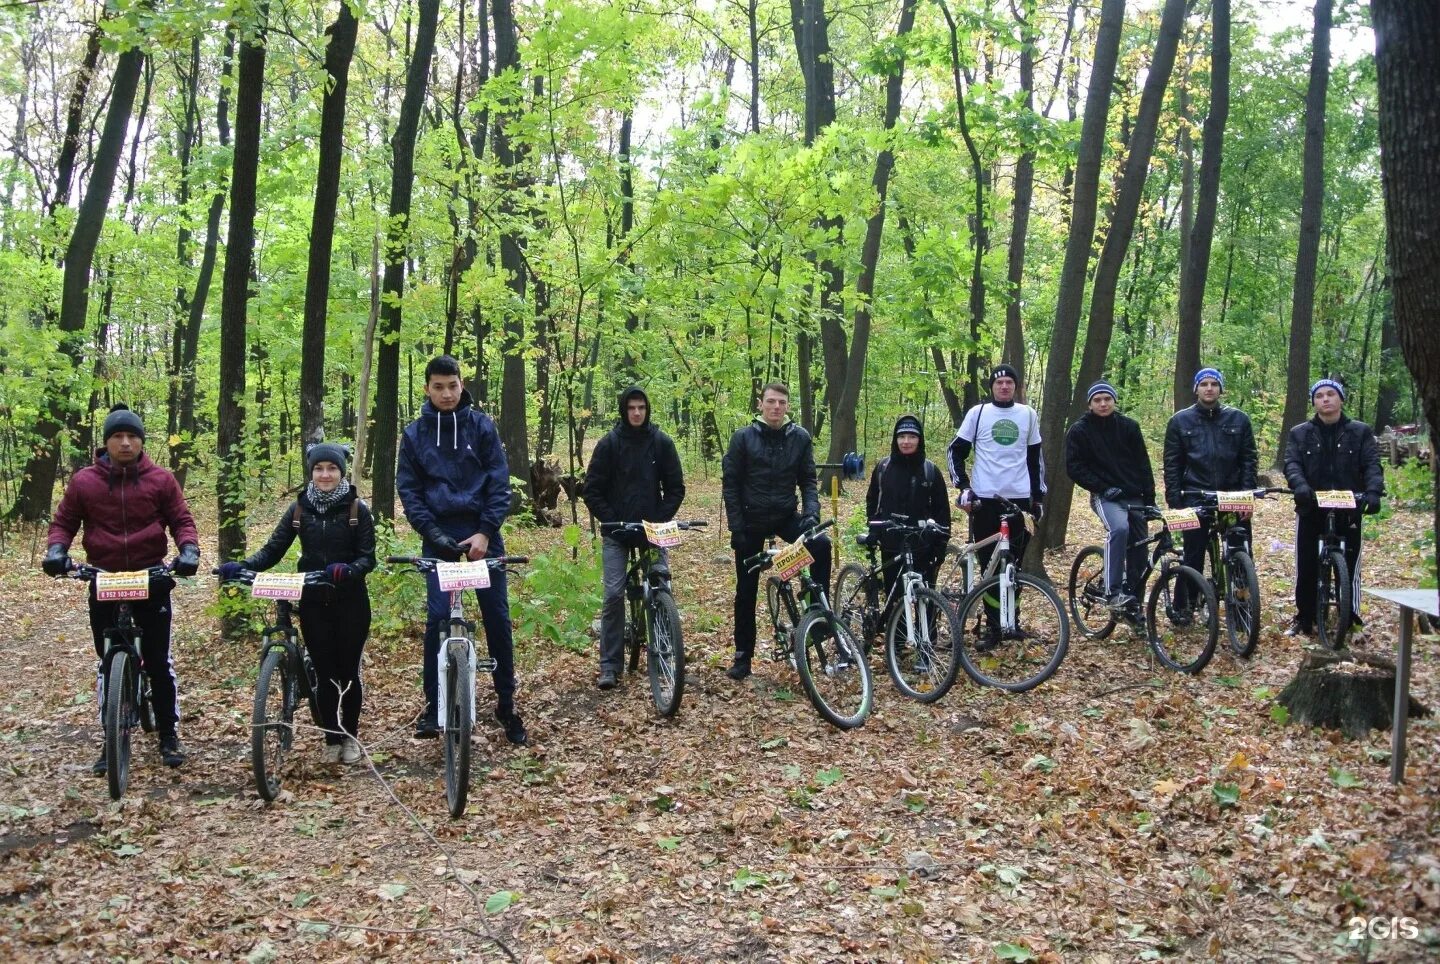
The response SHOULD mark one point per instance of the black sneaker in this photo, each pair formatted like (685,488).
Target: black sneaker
(987,639)
(101,766)
(427,727)
(514,727)
(740,668)
(1299,628)
(171,753)
(608,680)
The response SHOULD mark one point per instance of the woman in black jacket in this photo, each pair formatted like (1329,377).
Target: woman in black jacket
(337,535)
(909,485)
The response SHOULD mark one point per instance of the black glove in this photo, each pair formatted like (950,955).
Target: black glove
(1037,505)
(57,560)
(339,572)
(1369,503)
(230,571)
(737,539)
(1113,494)
(808,522)
(188,562)
(448,548)
(1305,499)
(1173,502)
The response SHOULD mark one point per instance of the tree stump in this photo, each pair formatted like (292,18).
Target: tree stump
(1351,692)
(545,482)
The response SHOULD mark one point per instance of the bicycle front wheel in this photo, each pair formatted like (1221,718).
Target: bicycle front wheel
(920,652)
(272,730)
(779,613)
(665,661)
(1013,638)
(833,670)
(1088,605)
(1242,604)
(1181,624)
(1333,604)
(459,690)
(852,595)
(120,720)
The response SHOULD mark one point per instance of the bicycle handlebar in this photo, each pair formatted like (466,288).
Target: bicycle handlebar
(246,577)
(764,556)
(85,572)
(637,526)
(427,563)
(894,525)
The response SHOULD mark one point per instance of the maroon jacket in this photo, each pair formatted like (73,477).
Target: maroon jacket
(125,512)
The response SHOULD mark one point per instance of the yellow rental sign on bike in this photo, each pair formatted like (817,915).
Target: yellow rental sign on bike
(1335,499)
(1235,501)
(792,559)
(463,575)
(118,586)
(1178,520)
(663,534)
(278,585)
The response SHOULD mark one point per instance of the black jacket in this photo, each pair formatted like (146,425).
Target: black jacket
(1208,448)
(1321,457)
(761,472)
(634,473)
(325,538)
(906,485)
(1109,453)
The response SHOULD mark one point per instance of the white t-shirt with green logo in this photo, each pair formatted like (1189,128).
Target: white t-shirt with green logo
(1000,439)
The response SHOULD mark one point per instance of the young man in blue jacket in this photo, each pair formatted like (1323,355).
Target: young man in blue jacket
(454,482)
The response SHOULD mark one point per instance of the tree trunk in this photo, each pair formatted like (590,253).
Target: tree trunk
(187,137)
(1312,203)
(1388,391)
(1050,531)
(1406,37)
(1014,353)
(397,243)
(512,182)
(235,292)
(74,116)
(322,224)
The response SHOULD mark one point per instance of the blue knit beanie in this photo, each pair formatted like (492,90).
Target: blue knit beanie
(1101,387)
(1327,383)
(1205,373)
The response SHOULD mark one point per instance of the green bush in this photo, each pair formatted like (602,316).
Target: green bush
(559,595)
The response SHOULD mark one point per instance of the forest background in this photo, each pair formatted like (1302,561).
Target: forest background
(255,221)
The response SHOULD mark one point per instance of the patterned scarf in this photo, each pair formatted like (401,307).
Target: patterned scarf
(322,501)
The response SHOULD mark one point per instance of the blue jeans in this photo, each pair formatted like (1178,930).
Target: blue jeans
(494,605)
(615,557)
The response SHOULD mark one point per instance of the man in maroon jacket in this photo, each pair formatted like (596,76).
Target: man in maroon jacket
(125,503)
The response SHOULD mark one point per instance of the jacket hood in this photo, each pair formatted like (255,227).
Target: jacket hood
(764,426)
(634,391)
(445,423)
(909,423)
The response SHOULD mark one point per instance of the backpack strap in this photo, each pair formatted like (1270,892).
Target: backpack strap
(295,515)
(355,511)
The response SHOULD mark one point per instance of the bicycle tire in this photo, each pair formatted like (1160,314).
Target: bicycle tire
(852,593)
(665,658)
(147,705)
(951,581)
(120,719)
(778,612)
(272,719)
(632,634)
(1175,633)
(1242,604)
(1333,604)
(459,685)
(1088,607)
(1027,654)
(923,669)
(833,671)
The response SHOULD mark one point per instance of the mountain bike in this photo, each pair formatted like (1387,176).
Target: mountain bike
(125,699)
(458,663)
(1334,599)
(1179,621)
(286,675)
(920,628)
(1013,631)
(1232,567)
(830,661)
(652,620)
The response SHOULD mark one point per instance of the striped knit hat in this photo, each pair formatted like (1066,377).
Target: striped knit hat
(1101,387)
(1327,383)
(1205,373)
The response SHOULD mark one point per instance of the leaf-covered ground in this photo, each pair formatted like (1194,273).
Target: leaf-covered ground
(1117,813)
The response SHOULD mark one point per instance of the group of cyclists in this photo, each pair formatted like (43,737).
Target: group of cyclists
(454,483)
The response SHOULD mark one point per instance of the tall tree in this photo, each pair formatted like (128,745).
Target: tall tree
(513,183)
(1312,205)
(397,244)
(322,223)
(1022,195)
(1197,267)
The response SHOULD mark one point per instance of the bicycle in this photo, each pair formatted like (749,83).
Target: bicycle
(125,699)
(830,661)
(1232,567)
(1020,631)
(920,631)
(651,616)
(286,675)
(457,664)
(1185,640)
(1334,600)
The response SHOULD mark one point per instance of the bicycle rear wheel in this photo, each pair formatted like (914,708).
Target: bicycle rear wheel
(921,655)
(272,730)
(665,661)
(634,631)
(1242,604)
(852,595)
(120,720)
(1333,604)
(1088,606)
(1030,634)
(1182,635)
(459,690)
(833,670)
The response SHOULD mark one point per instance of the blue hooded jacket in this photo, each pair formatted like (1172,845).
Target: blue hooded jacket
(453,476)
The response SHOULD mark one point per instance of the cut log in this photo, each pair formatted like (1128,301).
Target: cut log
(1350,692)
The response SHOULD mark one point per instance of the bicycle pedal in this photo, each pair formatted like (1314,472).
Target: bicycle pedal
(485,664)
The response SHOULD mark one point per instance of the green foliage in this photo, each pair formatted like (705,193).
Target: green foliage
(561,595)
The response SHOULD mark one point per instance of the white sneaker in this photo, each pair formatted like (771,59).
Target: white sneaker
(350,753)
(332,753)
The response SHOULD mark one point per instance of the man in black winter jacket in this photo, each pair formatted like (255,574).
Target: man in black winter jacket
(1208,446)
(768,461)
(634,476)
(1329,452)
(1105,454)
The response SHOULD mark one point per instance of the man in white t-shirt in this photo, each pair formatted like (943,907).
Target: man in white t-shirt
(1005,437)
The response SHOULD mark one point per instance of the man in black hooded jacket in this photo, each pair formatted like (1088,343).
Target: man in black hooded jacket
(909,485)
(634,476)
